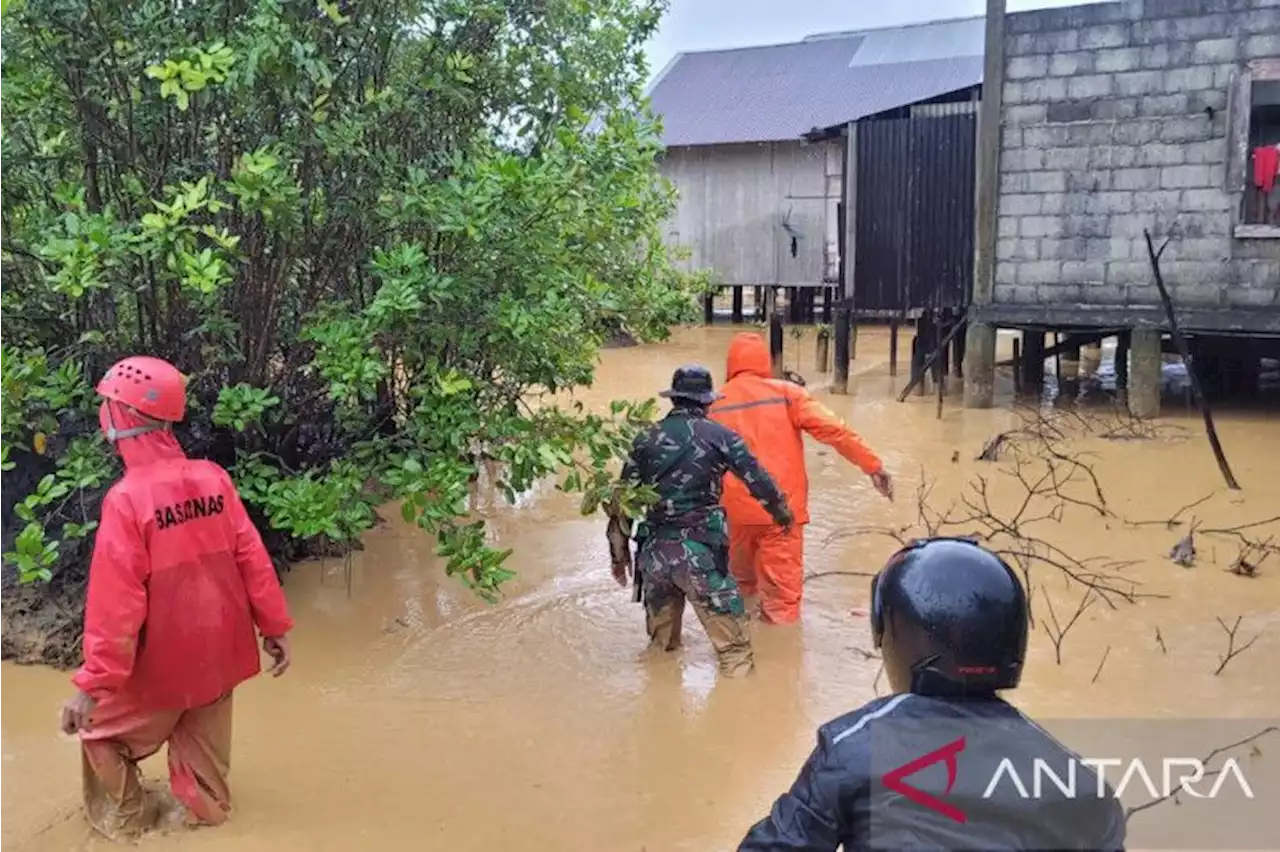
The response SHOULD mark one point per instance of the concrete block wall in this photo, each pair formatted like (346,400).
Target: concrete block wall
(1115,119)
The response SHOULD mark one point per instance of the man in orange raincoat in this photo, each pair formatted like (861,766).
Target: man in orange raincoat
(772,415)
(178,582)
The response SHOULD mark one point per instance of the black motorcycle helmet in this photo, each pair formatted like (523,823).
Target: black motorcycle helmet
(692,383)
(950,618)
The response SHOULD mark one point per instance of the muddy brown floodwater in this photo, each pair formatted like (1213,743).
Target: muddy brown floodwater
(415,714)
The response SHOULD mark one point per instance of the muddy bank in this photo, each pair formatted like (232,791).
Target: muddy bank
(41,622)
(620,339)
(44,625)
(414,710)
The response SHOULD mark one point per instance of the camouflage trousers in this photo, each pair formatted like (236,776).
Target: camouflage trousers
(678,569)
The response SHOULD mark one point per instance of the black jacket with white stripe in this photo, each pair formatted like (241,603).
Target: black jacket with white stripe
(841,797)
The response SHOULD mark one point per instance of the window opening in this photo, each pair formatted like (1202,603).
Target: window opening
(1262,197)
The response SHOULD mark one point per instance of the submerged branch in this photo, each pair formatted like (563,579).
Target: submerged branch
(1271,729)
(1232,650)
(818,574)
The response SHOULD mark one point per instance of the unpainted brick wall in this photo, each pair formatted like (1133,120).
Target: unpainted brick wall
(1115,120)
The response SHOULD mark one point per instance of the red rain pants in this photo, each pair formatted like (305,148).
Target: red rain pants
(199,743)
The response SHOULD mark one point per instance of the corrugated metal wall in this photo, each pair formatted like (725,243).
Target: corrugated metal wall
(915,210)
(740,206)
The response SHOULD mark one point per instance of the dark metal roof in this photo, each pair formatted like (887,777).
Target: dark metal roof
(782,91)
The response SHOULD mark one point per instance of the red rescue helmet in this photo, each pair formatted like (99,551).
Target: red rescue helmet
(153,387)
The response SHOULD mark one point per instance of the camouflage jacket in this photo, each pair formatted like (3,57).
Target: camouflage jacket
(685,457)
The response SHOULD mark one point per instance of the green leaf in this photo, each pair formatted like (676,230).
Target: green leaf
(352,253)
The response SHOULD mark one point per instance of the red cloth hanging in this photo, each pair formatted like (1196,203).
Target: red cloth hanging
(1266,165)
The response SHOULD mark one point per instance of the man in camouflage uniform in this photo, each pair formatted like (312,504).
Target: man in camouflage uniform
(684,539)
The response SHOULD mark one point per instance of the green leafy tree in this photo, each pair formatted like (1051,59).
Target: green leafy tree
(380,239)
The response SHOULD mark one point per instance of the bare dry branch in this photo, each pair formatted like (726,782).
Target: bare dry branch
(1040,479)
(1129,812)
(1180,341)
(1123,425)
(1024,560)
(1251,556)
(1232,650)
(1101,663)
(1252,551)
(817,574)
(1058,632)
(991,450)
(898,534)
(1236,529)
(1115,424)
(1174,520)
(1006,532)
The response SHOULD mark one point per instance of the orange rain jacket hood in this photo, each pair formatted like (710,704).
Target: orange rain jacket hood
(178,582)
(772,416)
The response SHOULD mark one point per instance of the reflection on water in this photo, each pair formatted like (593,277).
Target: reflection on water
(416,714)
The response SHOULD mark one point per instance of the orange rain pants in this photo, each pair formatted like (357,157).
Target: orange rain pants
(768,562)
(199,743)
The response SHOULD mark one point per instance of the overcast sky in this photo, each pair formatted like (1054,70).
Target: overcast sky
(712,24)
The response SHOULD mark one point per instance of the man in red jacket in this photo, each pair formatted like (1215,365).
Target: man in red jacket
(773,416)
(178,582)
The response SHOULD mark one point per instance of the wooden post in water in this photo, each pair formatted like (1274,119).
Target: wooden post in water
(737,305)
(848,247)
(840,367)
(827,295)
(918,376)
(1057,361)
(709,308)
(775,344)
(1017,365)
(924,337)
(980,346)
(1033,360)
(939,362)
(920,351)
(893,347)
(957,348)
(1122,362)
(822,351)
(943,326)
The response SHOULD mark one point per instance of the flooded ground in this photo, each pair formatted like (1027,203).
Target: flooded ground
(415,714)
